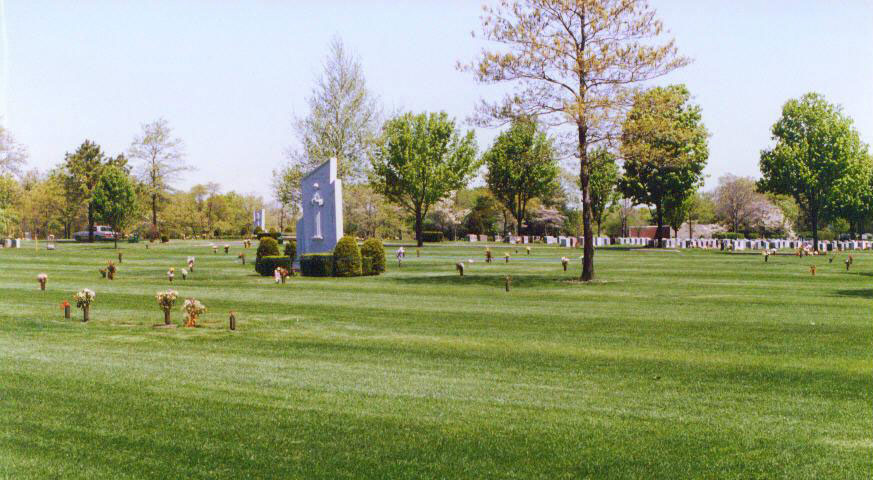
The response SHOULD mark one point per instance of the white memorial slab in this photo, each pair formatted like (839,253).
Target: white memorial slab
(322,223)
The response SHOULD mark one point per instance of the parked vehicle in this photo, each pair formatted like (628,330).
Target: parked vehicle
(101,233)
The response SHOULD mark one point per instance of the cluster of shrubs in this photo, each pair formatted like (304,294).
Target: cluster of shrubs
(347,260)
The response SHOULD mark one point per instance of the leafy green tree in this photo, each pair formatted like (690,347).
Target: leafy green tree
(817,152)
(677,211)
(420,160)
(853,195)
(83,170)
(664,145)
(522,165)
(484,216)
(37,208)
(603,182)
(115,199)
(700,210)
(574,64)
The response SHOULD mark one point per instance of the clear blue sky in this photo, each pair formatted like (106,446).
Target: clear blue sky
(229,76)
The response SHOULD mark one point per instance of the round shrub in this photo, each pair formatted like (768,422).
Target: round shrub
(258,230)
(347,258)
(268,247)
(291,249)
(372,249)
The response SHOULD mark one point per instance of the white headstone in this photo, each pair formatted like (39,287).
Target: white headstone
(322,223)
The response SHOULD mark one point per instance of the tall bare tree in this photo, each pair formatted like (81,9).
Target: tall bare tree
(12,154)
(343,120)
(736,200)
(286,191)
(161,158)
(575,64)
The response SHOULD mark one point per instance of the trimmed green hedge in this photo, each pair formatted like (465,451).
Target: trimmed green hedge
(431,236)
(347,258)
(268,247)
(316,265)
(268,264)
(373,250)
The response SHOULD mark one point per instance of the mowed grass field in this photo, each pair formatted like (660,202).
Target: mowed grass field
(671,365)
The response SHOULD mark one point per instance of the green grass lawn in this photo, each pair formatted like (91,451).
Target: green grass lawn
(672,365)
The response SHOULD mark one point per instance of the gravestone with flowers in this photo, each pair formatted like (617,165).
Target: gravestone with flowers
(322,223)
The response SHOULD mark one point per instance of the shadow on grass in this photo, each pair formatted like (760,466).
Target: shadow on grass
(856,293)
(518,281)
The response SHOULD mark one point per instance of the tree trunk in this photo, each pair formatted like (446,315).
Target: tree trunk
(587,233)
(814,217)
(418,227)
(90,222)
(660,215)
(155,213)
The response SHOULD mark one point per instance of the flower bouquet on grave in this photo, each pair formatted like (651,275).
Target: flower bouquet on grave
(42,279)
(193,309)
(83,299)
(166,301)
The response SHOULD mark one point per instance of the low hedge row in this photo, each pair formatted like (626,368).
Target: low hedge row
(267,265)
(317,265)
(432,236)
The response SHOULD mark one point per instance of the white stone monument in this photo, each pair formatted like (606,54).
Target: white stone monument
(260,219)
(322,223)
